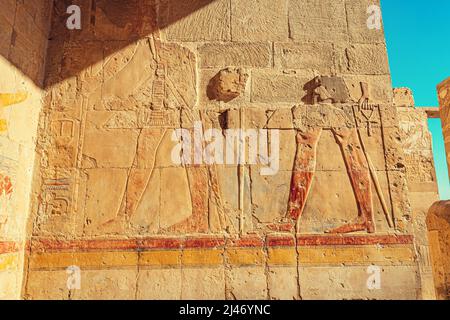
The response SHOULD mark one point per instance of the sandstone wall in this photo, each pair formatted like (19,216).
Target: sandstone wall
(23,40)
(438,222)
(110,202)
(444,103)
(420,177)
(439,214)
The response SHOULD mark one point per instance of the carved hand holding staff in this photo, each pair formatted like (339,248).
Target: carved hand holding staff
(358,163)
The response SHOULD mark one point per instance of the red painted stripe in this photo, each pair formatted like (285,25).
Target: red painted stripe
(161,243)
(205,242)
(9,247)
(280,241)
(82,245)
(348,240)
(249,241)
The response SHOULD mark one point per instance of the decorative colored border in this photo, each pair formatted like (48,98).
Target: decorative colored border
(346,240)
(210,242)
(9,247)
(201,251)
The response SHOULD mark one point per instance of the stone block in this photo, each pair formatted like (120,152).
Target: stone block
(107,285)
(40,11)
(160,258)
(83,59)
(380,87)
(282,256)
(90,260)
(239,54)
(47,285)
(282,283)
(59,30)
(356,255)
(115,20)
(199,20)
(278,87)
(317,56)
(203,283)
(159,284)
(10,285)
(344,283)
(245,256)
(195,257)
(368,59)
(8,11)
(259,20)
(247,283)
(5,36)
(26,26)
(29,61)
(403,97)
(357,18)
(318,20)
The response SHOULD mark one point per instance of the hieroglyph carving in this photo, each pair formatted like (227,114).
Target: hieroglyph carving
(56,199)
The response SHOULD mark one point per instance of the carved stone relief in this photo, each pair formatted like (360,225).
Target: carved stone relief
(7,186)
(227,85)
(327,90)
(345,123)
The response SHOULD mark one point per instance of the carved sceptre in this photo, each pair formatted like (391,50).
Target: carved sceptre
(363,104)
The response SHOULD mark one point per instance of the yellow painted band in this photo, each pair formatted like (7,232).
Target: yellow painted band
(9,261)
(7,99)
(359,255)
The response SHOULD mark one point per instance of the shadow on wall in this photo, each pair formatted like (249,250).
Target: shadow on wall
(107,26)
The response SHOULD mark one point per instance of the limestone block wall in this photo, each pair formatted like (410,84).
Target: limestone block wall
(111,204)
(23,39)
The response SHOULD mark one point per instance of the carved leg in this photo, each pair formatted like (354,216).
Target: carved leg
(303,171)
(359,174)
(198,185)
(139,176)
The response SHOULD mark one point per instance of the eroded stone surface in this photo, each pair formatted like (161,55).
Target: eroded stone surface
(444,103)
(403,97)
(227,85)
(438,227)
(353,160)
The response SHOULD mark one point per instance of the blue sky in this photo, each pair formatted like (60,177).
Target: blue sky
(418,42)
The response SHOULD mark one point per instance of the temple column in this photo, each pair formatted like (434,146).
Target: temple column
(444,107)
